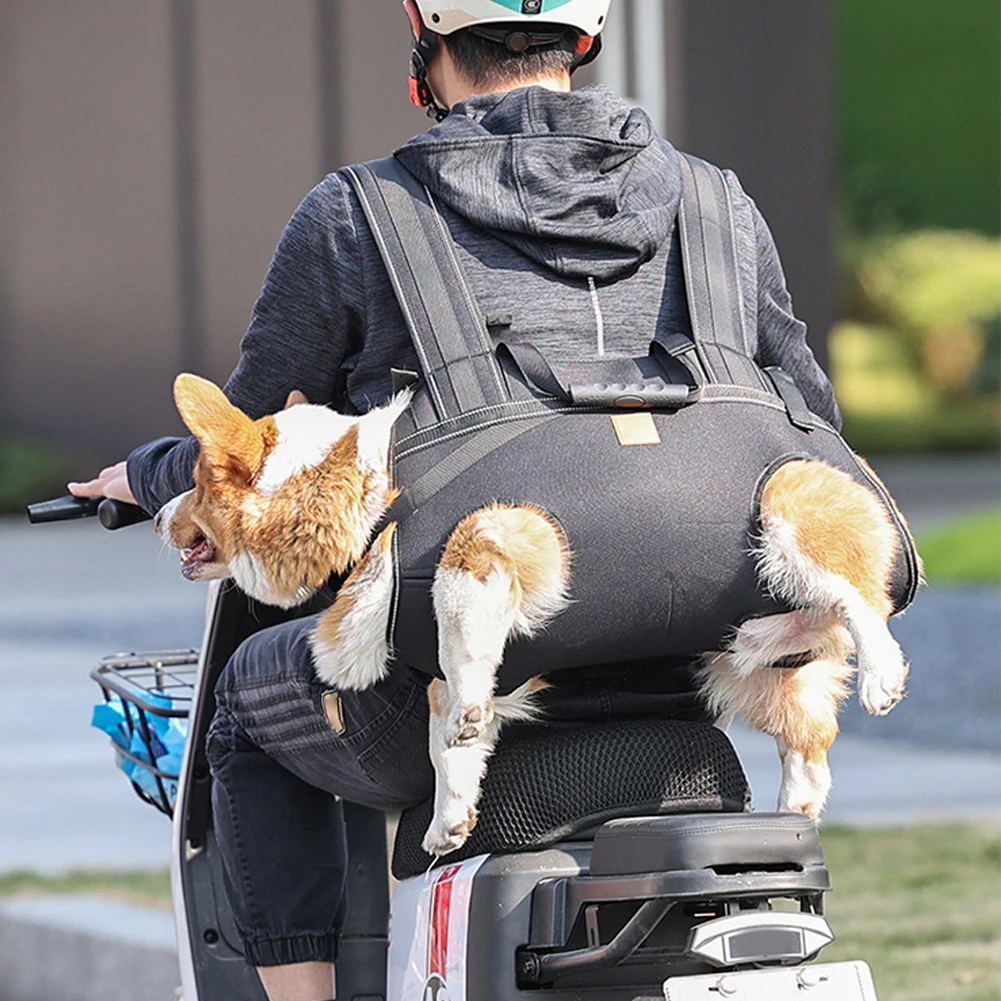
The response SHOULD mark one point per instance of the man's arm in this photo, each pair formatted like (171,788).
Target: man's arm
(780,336)
(306,321)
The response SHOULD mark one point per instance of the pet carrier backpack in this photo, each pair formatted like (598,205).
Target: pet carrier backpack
(651,465)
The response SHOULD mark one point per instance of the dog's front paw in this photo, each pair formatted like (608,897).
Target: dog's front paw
(879,691)
(451,831)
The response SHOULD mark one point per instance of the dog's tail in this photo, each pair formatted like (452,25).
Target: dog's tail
(520,706)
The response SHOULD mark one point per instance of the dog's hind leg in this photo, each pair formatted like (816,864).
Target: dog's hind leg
(797,706)
(503,574)
(827,544)
(460,766)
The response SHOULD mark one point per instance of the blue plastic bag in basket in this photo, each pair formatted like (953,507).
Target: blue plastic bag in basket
(166,742)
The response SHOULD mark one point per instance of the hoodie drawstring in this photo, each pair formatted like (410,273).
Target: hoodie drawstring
(598,318)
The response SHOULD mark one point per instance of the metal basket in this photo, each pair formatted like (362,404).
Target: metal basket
(142,681)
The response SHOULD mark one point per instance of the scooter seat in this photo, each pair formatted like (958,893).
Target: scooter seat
(739,842)
(546,785)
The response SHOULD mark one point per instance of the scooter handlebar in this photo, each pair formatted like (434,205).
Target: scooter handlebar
(114,514)
(64,509)
(111,513)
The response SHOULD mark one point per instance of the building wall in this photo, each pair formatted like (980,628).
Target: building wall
(759,99)
(90,308)
(372,65)
(259,150)
(7,125)
(154,149)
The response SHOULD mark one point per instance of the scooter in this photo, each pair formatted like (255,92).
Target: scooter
(614,862)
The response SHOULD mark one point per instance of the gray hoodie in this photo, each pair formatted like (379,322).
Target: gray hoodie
(563,208)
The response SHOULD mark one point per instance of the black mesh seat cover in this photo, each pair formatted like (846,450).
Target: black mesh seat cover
(545,785)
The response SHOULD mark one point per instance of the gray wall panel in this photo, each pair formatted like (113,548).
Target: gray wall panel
(759,100)
(92,310)
(376,114)
(260,151)
(8,144)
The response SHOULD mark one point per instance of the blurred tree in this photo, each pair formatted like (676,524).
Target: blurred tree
(938,294)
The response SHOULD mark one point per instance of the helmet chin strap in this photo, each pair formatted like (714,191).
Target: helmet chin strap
(420,90)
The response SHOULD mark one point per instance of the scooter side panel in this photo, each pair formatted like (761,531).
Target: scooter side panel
(429,935)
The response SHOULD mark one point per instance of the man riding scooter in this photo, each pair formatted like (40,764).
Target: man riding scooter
(563,206)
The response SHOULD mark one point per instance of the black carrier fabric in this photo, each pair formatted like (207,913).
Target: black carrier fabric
(661,534)
(548,785)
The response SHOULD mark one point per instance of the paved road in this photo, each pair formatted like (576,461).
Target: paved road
(72,593)
(932,490)
(69,594)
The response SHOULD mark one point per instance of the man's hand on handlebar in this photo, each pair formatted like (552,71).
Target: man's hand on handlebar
(112,482)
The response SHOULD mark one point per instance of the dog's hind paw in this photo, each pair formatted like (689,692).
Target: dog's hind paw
(880,691)
(443,838)
(469,723)
(882,672)
(805,783)
(877,700)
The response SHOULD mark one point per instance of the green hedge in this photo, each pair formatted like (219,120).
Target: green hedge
(30,472)
(921,112)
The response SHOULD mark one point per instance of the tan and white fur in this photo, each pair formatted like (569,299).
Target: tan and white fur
(282,502)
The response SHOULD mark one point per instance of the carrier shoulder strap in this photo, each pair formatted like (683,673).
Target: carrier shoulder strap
(447,328)
(712,281)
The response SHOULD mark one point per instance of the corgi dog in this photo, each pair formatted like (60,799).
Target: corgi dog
(281,503)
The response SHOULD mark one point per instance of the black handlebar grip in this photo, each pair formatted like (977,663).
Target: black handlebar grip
(114,514)
(64,509)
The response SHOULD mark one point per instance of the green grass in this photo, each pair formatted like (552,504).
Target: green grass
(922,906)
(150,887)
(967,551)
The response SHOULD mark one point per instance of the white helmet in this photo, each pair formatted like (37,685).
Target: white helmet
(445,16)
(509,22)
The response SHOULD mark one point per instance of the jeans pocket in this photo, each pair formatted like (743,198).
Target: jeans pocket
(395,755)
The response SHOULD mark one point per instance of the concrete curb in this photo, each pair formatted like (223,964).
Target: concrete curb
(85,948)
(885,782)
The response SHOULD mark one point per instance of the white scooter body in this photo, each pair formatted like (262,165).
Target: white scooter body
(494,927)
(581,886)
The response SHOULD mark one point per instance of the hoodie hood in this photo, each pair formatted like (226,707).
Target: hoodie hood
(579,182)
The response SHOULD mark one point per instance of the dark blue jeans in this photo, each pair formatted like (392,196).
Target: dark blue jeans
(285,749)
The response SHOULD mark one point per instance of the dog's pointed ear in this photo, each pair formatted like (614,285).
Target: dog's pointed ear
(231,440)
(295,398)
